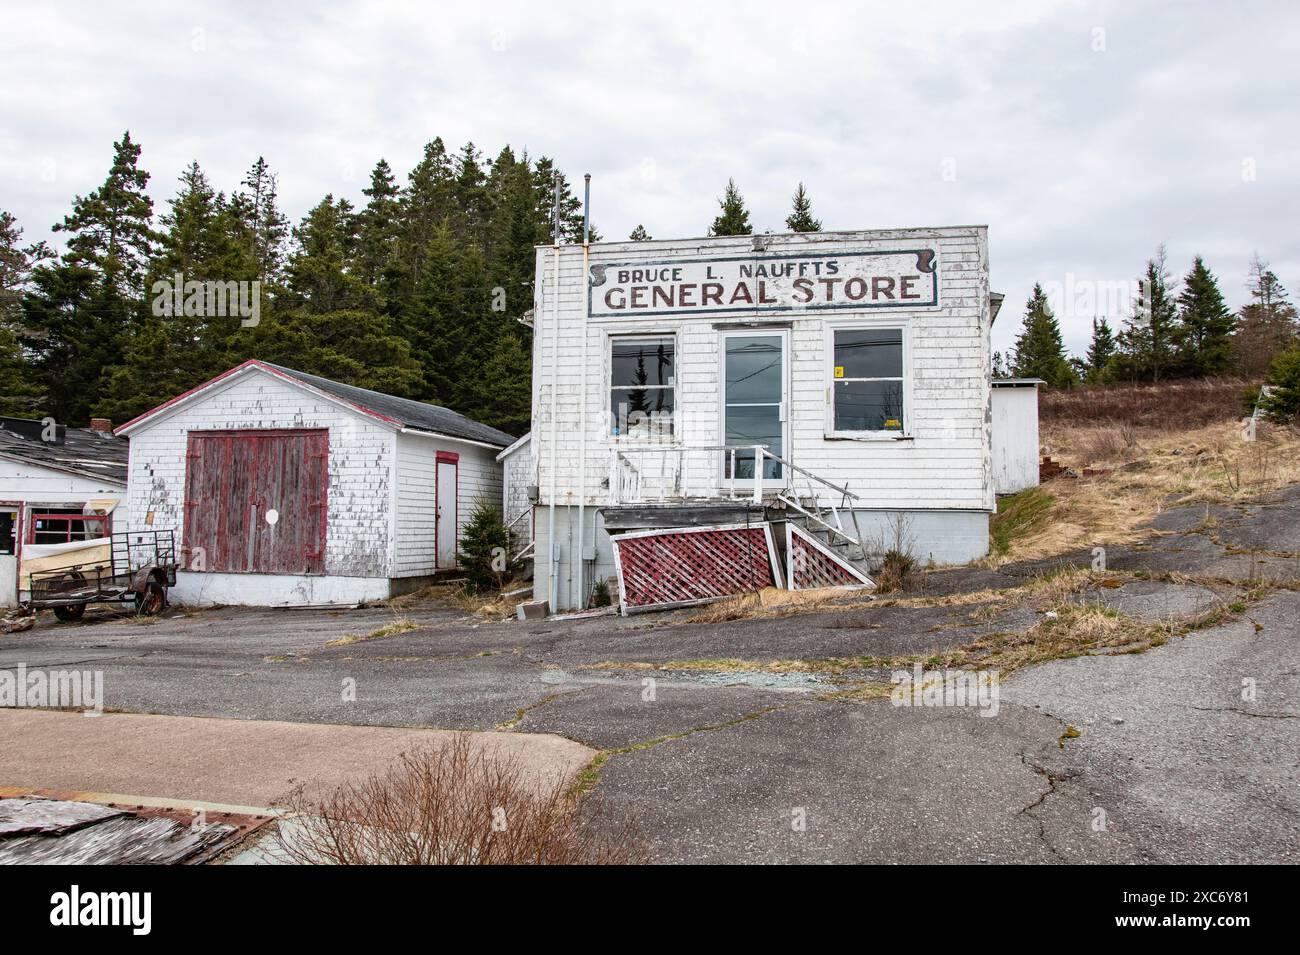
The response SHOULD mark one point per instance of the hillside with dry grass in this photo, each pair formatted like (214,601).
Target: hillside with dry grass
(1132,451)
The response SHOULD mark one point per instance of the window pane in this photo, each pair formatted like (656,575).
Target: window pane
(753,368)
(868,406)
(645,362)
(641,412)
(755,425)
(869,353)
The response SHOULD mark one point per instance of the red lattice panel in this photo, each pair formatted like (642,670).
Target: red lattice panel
(680,566)
(811,568)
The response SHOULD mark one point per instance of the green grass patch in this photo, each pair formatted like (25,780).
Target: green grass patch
(1019,515)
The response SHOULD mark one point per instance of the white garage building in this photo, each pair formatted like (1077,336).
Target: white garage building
(287,489)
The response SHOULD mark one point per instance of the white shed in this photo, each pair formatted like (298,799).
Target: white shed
(57,486)
(1015,434)
(836,383)
(287,489)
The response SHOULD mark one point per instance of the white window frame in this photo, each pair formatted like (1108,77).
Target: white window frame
(610,339)
(864,324)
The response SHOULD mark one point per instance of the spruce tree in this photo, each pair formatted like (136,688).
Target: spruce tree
(79,310)
(1205,325)
(265,227)
(1101,350)
(639,234)
(377,226)
(1040,351)
(801,218)
(1266,324)
(1147,343)
(109,231)
(734,217)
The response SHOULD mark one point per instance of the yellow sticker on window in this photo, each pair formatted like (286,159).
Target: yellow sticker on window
(839,371)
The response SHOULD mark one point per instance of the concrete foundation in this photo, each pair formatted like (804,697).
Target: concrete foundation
(941,537)
(285,590)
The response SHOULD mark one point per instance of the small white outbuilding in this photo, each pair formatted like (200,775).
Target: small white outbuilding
(1014,444)
(287,489)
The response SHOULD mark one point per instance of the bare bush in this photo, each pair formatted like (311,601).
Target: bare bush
(896,561)
(455,804)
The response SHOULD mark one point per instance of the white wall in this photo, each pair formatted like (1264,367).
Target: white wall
(361,458)
(1015,439)
(519,470)
(479,478)
(25,482)
(945,466)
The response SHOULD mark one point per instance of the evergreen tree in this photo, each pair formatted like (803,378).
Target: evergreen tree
(377,226)
(801,218)
(1040,351)
(265,226)
(483,540)
(507,392)
(1000,369)
(1205,325)
(72,324)
(1100,351)
(1147,343)
(1282,403)
(18,396)
(1266,324)
(109,230)
(319,276)
(734,218)
(639,234)
(80,309)
(471,197)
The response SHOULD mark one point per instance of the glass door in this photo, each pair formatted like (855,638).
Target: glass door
(754,400)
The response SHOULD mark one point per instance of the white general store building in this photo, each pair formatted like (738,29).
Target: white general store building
(821,392)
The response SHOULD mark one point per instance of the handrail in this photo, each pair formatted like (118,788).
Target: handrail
(808,474)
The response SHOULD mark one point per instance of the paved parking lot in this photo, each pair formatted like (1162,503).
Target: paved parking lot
(1170,762)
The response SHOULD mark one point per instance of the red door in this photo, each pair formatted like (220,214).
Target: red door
(255,501)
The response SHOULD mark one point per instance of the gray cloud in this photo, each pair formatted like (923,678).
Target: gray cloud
(1080,160)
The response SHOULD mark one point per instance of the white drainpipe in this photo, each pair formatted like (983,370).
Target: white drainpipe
(582,407)
(553,557)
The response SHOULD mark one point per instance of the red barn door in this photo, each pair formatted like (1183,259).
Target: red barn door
(255,501)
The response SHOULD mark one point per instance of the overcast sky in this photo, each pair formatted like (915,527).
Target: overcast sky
(1083,134)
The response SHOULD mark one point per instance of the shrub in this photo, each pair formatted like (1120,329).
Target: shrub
(895,573)
(485,549)
(455,804)
(1282,403)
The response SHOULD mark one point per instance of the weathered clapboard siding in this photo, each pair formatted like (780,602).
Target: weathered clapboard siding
(479,479)
(518,471)
(360,463)
(944,465)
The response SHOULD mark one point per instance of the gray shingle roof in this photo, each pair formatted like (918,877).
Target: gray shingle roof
(412,414)
(83,451)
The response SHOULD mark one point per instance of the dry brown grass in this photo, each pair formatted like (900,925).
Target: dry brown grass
(1181,405)
(456,804)
(1163,469)
(402,625)
(771,602)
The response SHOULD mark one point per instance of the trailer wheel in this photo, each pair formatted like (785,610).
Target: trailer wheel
(151,601)
(70,613)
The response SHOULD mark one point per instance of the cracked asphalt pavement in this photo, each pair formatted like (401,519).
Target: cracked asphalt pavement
(1188,752)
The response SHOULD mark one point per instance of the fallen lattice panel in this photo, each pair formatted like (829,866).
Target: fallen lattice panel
(685,565)
(811,564)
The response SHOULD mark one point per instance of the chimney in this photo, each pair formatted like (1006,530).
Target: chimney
(102,425)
